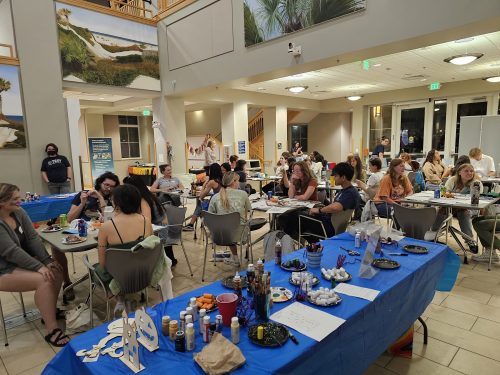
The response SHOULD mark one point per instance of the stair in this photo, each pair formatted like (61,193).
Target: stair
(256,137)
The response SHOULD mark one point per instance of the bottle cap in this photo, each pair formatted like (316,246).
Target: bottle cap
(182,314)
(165,318)
(259,261)
(237,276)
(190,326)
(202,312)
(235,319)
(192,299)
(173,323)
(189,319)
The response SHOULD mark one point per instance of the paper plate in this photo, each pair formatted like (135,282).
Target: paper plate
(294,265)
(274,334)
(228,282)
(339,280)
(209,310)
(52,229)
(315,280)
(327,305)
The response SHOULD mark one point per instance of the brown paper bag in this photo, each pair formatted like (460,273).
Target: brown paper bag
(221,356)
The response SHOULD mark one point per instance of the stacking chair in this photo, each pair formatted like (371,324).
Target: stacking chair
(221,230)
(3,318)
(132,269)
(493,237)
(340,221)
(172,233)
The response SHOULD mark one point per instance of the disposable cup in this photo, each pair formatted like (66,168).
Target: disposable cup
(227,302)
(314,259)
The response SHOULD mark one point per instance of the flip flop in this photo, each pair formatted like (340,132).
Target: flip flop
(59,335)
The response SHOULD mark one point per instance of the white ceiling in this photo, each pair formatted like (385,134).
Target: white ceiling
(407,69)
(94,96)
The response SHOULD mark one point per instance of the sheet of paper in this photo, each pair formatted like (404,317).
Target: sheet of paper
(278,210)
(357,291)
(260,205)
(307,320)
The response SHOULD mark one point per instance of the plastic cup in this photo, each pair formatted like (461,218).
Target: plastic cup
(314,259)
(227,302)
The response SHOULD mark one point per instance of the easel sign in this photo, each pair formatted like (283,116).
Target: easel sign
(366,270)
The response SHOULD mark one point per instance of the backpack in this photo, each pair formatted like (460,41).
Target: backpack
(419,184)
(287,244)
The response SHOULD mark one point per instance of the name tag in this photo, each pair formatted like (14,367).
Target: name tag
(20,229)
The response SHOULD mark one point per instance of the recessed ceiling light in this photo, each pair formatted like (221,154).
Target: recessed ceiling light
(423,80)
(261,89)
(101,98)
(493,79)
(353,98)
(296,89)
(465,40)
(377,65)
(463,59)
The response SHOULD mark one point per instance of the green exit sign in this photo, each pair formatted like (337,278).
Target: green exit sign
(366,64)
(434,86)
(146,112)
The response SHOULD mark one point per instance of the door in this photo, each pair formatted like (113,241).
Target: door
(410,129)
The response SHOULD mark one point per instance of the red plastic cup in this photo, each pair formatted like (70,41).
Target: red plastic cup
(227,302)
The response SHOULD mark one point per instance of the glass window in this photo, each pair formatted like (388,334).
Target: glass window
(299,134)
(128,120)
(129,142)
(468,109)
(380,124)
(412,130)
(439,124)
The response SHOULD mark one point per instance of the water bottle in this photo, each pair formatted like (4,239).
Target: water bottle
(474,193)
(357,240)
(82,228)
(277,252)
(108,213)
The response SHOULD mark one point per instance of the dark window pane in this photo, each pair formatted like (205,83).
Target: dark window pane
(468,109)
(135,152)
(125,151)
(133,134)
(439,125)
(412,130)
(123,134)
(132,120)
(380,124)
(122,120)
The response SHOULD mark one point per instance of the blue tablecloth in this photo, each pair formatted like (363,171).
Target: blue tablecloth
(47,207)
(369,329)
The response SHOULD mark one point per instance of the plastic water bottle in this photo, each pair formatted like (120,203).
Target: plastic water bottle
(82,228)
(357,240)
(474,193)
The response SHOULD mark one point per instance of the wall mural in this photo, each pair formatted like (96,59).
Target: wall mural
(103,49)
(12,133)
(268,19)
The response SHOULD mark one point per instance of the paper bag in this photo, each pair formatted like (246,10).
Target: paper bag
(220,356)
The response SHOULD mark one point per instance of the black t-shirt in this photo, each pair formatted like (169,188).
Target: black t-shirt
(378,149)
(348,198)
(91,209)
(243,176)
(56,168)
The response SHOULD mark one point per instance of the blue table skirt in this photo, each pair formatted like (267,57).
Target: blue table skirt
(47,207)
(369,329)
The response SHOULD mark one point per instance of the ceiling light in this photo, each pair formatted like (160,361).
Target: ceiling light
(296,89)
(377,65)
(261,89)
(463,59)
(493,79)
(101,98)
(353,98)
(465,40)
(436,109)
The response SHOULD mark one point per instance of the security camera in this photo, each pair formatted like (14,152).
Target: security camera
(294,50)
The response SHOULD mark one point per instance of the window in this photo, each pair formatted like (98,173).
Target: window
(299,134)
(129,141)
(468,109)
(439,124)
(128,120)
(412,130)
(380,124)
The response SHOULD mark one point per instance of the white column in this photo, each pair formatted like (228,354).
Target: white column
(74,114)
(169,114)
(234,118)
(275,135)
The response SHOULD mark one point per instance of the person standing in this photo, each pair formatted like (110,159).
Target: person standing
(483,164)
(210,156)
(56,171)
(379,149)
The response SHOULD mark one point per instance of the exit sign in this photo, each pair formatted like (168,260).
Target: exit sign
(366,64)
(434,86)
(146,112)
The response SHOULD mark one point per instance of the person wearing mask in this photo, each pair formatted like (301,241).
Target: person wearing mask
(357,165)
(484,165)
(25,265)
(166,185)
(232,161)
(56,171)
(231,199)
(379,149)
(212,185)
(210,156)
(369,190)
(460,183)
(433,169)
(87,205)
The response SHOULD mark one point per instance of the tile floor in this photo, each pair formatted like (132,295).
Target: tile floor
(464,324)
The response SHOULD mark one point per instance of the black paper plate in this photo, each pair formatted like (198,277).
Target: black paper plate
(315,280)
(228,282)
(386,264)
(274,334)
(415,249)
(300,266)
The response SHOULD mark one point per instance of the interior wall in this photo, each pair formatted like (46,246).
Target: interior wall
(206,121)
(330,135)
(6,28)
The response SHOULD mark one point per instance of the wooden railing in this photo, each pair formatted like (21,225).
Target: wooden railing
(131,7)
(255,126)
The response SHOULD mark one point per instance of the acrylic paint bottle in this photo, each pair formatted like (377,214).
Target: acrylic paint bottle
(235,330)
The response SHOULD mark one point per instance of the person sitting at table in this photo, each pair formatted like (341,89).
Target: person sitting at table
(124,230)
(371,187)
(240,170)
(394,186)
(407,160)
(433,169)
(483,164)
(357,165)
(231,199)
(166,185)
(280,169)
(152,209)
(225,167)
(213,184)
(87,205)
(483,225)
(25,265)
(462,159)
(460,183)
(317,164)
(379,149)
(232,161)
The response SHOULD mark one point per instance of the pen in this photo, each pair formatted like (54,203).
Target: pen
(293,338)
(399,254)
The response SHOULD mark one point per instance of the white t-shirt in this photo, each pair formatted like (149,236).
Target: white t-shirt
(483,166)
(373,182)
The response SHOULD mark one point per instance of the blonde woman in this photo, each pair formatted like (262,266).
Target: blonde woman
(460,184)
(231,199)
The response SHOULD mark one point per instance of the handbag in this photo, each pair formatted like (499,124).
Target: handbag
(78,319)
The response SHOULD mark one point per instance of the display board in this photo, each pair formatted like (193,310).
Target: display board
(482,132)
(101,156)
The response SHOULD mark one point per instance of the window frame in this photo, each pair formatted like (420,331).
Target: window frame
(120,126)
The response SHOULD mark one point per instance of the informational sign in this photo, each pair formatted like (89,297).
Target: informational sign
(101,156)
(241,147)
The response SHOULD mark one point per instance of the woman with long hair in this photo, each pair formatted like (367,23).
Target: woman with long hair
(213,184)
(433,169)
(231,199)
(359,172)
(394,186)
(407,160)
(302,184)
(280,169)
(461,184)
(210,156)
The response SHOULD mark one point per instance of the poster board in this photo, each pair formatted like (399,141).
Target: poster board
(101,156)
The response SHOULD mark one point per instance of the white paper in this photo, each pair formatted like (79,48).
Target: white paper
(309,321)
(357,291)
(278,210)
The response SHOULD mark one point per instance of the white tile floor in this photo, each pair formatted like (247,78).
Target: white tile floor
(464,325)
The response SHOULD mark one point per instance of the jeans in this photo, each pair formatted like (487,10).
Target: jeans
(463,216)
(484,229)
(59,187)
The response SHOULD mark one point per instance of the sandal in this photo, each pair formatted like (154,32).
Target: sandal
(59,335)
(60,315)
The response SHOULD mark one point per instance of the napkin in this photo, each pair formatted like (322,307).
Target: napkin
(220,356)
(70,231)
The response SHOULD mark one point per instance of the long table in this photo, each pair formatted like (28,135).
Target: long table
(48,206)
(369,329)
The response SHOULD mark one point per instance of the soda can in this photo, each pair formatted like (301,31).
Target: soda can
(63,220)
(437,193)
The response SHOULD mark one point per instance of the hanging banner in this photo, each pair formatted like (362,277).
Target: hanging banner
(101,156)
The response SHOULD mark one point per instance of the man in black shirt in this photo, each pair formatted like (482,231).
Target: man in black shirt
(56,171)
(379,149)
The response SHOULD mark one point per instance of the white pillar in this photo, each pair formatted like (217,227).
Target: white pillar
(234,119)
(169,114)
(275,135)
(74,114)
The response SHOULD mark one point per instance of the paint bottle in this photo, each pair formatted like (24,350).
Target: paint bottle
(202,314)
(250,278)
(206,328)
(260,333)
(192,303)
(259,270)
(190,341)
(237,285)
(277,252)
(172,329)
(180,341)
(357,240)
(235,330)
(189,312)
(218,323)
(182,320)
(189,319)
(165,321)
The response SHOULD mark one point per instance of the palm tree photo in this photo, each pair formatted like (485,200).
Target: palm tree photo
(4,86)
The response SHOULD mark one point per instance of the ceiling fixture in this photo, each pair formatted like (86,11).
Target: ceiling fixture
(463,59)
(296,89)
(353,98)
(494,79)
